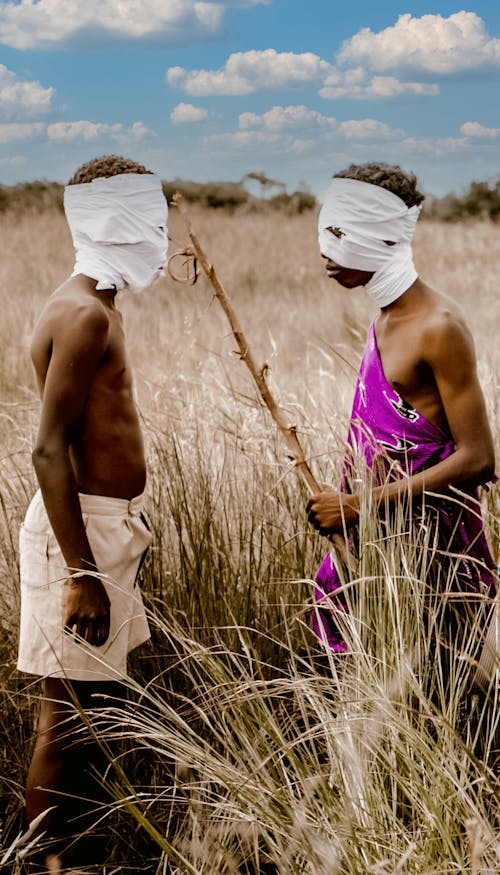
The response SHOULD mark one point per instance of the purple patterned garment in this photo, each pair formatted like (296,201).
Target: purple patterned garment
(394,438)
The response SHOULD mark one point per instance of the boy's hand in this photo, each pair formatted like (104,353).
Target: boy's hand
(87,609)
(331,511)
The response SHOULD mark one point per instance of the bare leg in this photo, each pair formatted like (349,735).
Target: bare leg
(62,771)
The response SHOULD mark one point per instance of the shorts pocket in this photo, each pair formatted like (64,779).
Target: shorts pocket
(34,558)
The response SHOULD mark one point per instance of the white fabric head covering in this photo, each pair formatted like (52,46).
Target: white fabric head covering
(119,229)
(366,215)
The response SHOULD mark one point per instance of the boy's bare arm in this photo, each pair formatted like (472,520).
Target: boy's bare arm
(79,340)
(450,353)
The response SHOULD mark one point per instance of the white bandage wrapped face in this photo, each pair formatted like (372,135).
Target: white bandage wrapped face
(372,229)
(119,229)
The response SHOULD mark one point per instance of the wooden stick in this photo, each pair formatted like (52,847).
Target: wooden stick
(288,431)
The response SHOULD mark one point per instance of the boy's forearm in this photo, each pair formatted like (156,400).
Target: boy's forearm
(335,511)
(60,496)
(459,469)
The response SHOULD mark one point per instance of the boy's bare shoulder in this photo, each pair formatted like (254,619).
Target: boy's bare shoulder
(445,330)
(71,308)
(73,326)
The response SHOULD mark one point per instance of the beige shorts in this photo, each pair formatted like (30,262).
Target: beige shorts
(119,539)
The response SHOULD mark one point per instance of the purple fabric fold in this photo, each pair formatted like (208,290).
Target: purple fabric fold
(393,439)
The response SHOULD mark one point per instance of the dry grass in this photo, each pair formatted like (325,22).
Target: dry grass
(279,761)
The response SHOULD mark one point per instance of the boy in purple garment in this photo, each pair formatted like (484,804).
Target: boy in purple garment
(419,417)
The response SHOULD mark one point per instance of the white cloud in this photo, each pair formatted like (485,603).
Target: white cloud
(281,118)
(265,140)
(186,112)
(20,98)
(440,146)
(266,143)
(13,161)
(21,131)
(87,131)
(298,129)
(368,129)
(356,84)
(291,155)
(474,129)
(430,43)
(81,130)
(246,72)
(72,131)
(48,23)
(298,146)
(136,132)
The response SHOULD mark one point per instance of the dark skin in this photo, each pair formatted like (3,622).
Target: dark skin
(428,356)
(89,441)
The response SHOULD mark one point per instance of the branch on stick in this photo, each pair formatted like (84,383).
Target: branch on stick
(288,431)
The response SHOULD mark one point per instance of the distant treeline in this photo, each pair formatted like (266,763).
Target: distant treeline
(41,194)
(480,200)
(37,196)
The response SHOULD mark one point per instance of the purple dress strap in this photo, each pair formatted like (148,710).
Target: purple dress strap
(394,439)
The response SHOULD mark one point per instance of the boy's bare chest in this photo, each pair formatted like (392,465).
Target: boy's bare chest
(114,373)
(405,368)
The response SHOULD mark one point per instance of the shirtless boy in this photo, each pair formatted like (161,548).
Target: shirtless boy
(418,401)
(83,537)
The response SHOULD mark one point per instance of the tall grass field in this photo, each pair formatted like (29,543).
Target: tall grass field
(243,746)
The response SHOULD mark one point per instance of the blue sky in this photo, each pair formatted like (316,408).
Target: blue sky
(214,89)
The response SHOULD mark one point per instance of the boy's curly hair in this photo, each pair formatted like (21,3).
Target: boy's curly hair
(106,165)
(389,176)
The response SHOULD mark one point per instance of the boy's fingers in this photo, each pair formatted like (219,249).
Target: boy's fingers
(69,624)
(84,629)
(102,632)
(312,500)
(95,633)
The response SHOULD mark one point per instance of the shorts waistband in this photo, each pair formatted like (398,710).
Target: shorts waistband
(108,506)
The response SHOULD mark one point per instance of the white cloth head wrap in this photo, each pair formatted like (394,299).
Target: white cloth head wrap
(366,215)
(119,230)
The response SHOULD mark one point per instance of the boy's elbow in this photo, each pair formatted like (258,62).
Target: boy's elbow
(477,464)
(40,457)
(44,455)
(489,461)
(488,471)
(485,467)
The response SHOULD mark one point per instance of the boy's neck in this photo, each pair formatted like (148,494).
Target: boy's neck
(107,296)
(407,301)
